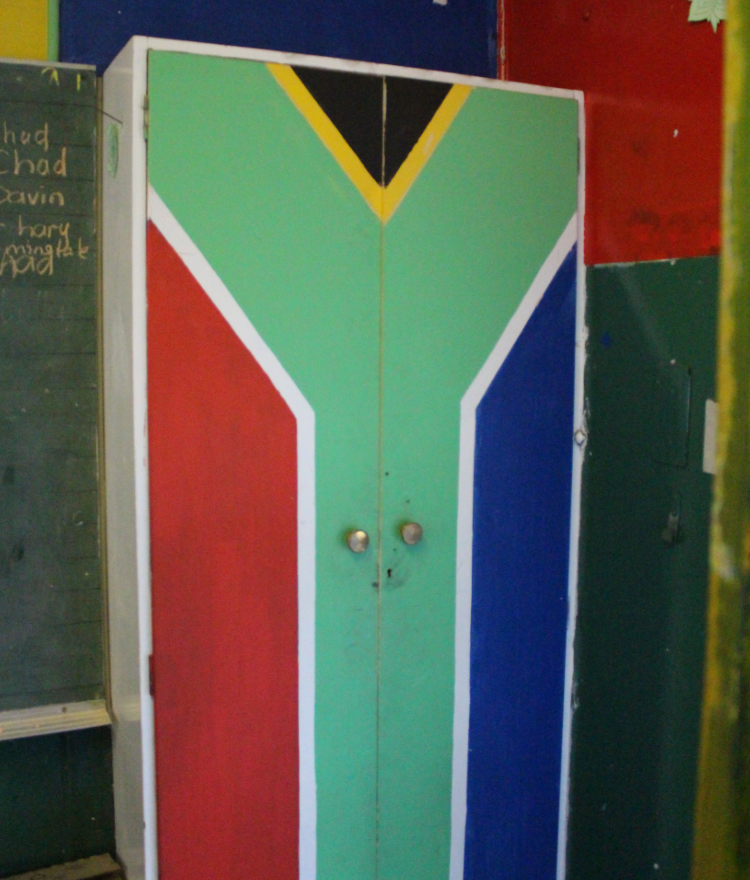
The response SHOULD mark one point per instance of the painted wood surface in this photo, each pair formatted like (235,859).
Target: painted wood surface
(722,845)
(457,264)
(642,600)
(653,117)
(24,29)
(51,597)
(364,309)
(518,632)
(460,36)
(101,867)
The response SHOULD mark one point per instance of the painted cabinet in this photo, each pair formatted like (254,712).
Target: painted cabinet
(338,297)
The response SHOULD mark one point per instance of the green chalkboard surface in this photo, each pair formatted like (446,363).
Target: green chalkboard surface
(50,562)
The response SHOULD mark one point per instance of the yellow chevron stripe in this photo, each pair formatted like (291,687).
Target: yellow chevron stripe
(423,149)
(371,191)
(383,200)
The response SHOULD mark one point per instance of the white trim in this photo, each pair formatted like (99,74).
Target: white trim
(464,541)
(140,414)
(579,425)
(217,291)
(271,57)
(57,718)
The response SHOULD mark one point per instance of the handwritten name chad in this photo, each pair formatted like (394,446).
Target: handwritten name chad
(15,162)
(12,162)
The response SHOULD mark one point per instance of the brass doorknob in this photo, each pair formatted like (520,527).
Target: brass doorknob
(411,533)
(358,540)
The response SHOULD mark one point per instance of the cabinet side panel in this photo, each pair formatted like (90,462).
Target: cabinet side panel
(123,249)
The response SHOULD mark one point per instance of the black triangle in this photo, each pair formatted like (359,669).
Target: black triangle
(410,106)
(354,104)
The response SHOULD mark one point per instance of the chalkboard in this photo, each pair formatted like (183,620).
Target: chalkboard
(51,621)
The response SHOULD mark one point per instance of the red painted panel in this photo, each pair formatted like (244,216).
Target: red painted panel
(647,73)
(223,490)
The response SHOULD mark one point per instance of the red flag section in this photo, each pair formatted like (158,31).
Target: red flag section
(223,495)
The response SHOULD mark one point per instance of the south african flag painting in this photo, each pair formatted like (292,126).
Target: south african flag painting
(343,362)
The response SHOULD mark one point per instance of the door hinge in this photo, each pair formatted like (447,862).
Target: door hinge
(145,117)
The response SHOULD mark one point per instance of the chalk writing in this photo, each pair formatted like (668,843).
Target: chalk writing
(51,72)
(26,256)
(13,161)
(34,165)
(35,197)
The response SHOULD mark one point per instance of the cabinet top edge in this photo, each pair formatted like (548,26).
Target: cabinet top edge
(140,46)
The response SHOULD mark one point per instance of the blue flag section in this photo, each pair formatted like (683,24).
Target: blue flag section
(519,615)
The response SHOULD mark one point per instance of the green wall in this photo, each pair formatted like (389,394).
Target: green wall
(640,634)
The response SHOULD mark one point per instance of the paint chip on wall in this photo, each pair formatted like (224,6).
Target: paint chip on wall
(709,437)
(708,10)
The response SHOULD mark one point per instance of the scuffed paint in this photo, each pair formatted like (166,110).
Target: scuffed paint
(722,843)
(647,72)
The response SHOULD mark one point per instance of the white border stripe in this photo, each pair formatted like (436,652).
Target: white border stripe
(579,423)
(465,536)
(140,448)
(303,412)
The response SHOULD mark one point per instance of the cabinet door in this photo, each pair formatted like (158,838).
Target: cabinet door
(478,364)
(264,279)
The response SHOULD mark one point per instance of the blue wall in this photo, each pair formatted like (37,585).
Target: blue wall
(460,37)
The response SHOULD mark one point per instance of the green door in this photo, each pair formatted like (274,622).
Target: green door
(381,287)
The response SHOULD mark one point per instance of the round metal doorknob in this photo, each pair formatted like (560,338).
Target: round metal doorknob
(411,533)
(358,541)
